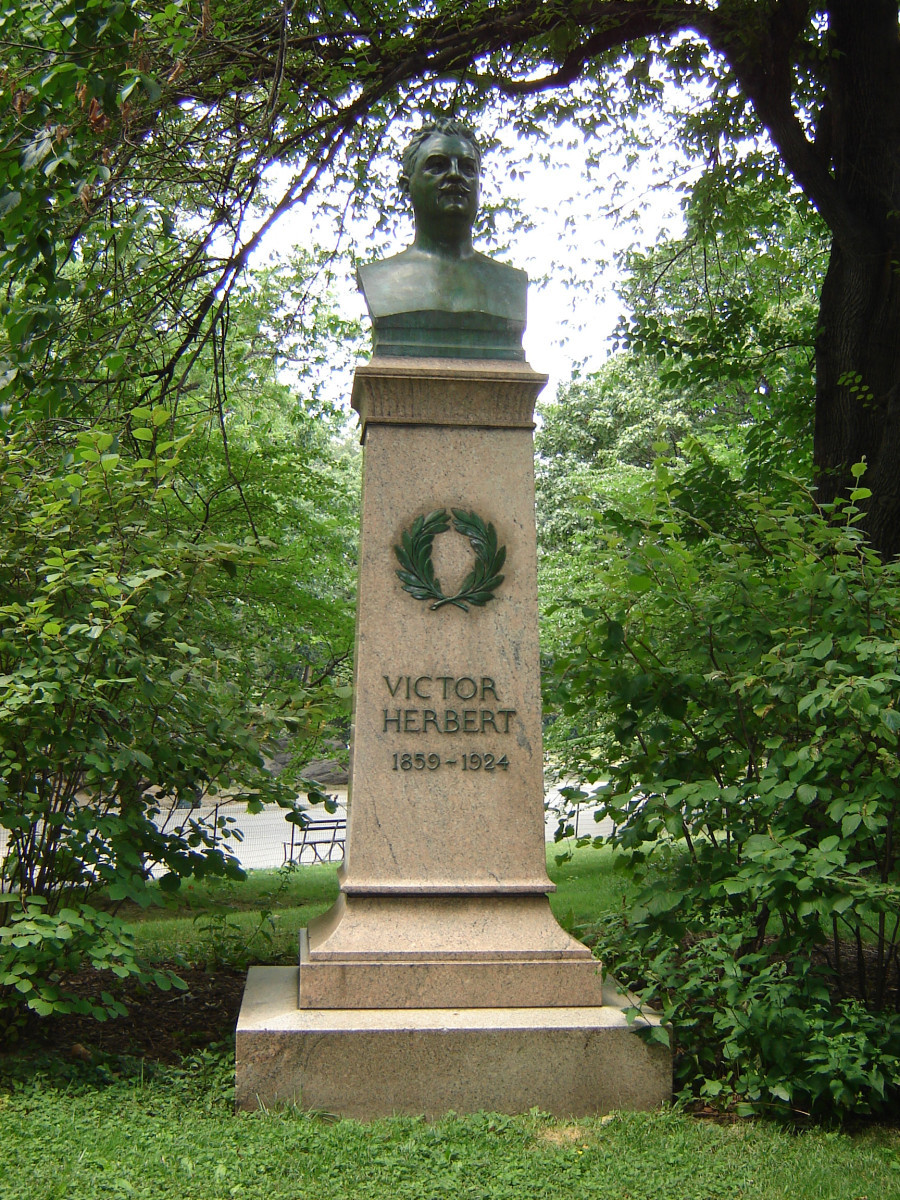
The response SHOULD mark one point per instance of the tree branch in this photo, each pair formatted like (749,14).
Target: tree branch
(761,59)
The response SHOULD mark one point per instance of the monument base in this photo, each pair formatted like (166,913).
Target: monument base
(370,1063)
(444,951)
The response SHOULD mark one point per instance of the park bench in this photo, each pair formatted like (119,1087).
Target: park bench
(321,837)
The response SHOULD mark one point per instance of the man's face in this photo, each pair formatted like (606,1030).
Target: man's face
(444,181)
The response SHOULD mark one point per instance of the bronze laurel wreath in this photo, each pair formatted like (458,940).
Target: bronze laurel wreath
(416,572)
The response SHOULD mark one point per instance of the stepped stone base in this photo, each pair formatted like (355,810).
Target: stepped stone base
(465,951)
(371,1063)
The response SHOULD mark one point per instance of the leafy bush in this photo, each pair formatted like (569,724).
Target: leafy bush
(732,690)
(37,947)
(747,1026)
(111,714)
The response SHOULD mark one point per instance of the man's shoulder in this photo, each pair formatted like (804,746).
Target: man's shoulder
(493,266)
(409,282)
(388,266)
(505,285)
(383,280)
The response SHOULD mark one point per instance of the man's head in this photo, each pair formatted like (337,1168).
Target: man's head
(442,125)
(441,168)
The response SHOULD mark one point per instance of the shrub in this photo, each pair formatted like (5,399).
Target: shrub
(110,711)
(752,1029)
(733,690)
(37,948)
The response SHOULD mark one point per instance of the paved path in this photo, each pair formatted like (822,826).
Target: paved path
(266,834)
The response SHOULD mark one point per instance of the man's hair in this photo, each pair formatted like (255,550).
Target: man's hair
(441,125)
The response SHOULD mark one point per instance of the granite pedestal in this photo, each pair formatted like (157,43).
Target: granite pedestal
(370,1063)
(440,980)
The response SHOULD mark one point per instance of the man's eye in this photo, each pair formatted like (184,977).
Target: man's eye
(436,164)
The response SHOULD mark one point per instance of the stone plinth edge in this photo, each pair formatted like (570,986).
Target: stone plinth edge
(439,391)
(555,979)
(367,1064)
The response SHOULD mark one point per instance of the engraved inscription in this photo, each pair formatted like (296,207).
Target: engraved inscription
(467,762)
(441,712)
(444,687)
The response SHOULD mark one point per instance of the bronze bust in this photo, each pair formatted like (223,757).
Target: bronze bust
(440,297)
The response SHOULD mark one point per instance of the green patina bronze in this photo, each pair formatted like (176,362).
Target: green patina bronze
(416,573)
(440,297)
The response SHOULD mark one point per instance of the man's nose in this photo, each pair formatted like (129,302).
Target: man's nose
(455,171)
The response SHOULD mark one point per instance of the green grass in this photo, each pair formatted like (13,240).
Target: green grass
(80,1134)
(119,1129)
(591,883)
(297,886)
(257,919)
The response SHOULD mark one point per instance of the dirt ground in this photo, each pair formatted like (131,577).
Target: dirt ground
(160,1026)
(165,1026)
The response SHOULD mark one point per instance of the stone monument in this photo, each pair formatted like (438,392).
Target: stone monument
(440,979)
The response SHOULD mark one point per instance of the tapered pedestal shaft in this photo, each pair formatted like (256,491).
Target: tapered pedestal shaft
(444,888)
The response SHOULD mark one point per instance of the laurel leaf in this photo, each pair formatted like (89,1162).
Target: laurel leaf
(417,575)
(468,523)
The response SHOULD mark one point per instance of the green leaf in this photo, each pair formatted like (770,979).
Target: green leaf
(9,201)
(35,152)
(823,648)
(615,633)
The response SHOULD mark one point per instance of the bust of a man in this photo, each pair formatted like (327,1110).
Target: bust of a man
(439,296)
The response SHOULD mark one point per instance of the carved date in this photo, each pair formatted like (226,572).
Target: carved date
(466,762)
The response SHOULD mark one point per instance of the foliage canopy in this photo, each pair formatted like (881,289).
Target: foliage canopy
(121,114)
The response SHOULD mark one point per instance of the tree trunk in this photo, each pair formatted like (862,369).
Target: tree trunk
(858,345)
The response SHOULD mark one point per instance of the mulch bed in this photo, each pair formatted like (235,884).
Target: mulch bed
(160,1026)
(165,1026)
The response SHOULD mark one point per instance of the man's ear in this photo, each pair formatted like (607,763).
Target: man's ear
(403,183)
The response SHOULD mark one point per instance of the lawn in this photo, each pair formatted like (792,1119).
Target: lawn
(90,1133)
(91,1124)
(220,921)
